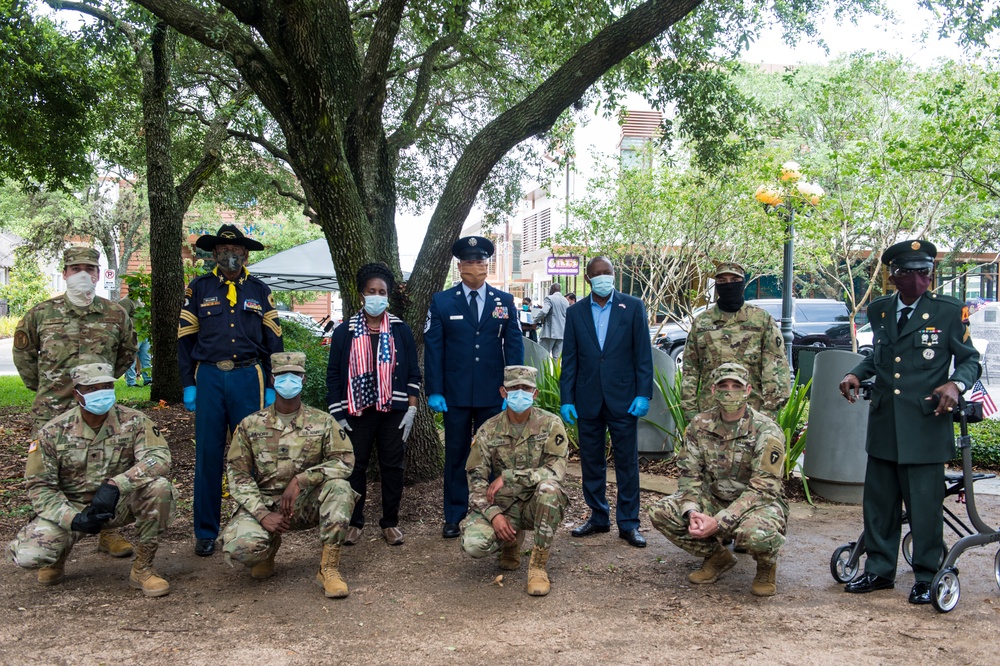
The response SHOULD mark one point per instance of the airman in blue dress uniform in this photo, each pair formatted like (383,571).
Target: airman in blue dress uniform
(472,333)
(228,330)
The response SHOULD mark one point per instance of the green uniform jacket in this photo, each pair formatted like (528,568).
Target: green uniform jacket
(749,337)
(55,336)
(69,461)
(539,454)
(264,456)
(908,365)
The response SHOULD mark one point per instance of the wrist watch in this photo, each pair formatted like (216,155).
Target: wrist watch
(961,385)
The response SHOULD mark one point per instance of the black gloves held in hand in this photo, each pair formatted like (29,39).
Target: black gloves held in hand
(106,498)
(91,520)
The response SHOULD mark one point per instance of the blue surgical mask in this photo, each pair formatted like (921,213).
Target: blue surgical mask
(99,402)
(376,305)
(520,400)
(288,385)
(602,284)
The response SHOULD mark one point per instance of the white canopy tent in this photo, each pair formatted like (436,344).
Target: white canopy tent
(306,267)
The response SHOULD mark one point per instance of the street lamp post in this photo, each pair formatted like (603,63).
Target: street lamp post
(782,198)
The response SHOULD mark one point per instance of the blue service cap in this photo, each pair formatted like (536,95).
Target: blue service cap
(472,247)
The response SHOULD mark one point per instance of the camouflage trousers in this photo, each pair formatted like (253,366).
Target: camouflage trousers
(761,531)
(542,513)
(149,505)
(328,505)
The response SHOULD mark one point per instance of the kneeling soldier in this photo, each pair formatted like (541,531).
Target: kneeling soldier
(287,468)
(730,485)
(98,466)
(524,448)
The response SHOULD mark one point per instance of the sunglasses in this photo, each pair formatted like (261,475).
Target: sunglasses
(911,271)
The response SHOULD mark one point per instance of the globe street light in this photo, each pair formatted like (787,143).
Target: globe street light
(783,198)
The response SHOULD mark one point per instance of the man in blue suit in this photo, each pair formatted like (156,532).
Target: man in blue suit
(607,376)
(472,333)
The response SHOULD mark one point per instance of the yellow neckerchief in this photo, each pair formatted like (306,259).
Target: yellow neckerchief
(231,294)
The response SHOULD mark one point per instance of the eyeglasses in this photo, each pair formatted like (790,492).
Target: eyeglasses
(912,271)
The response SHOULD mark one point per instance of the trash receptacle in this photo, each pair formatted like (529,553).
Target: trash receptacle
(654,442)
(835,458)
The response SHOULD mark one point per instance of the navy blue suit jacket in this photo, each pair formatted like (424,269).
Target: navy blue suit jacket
(616,375)
(464,358)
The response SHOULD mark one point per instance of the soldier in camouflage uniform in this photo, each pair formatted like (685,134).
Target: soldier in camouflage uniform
(69,330)
(98,465)
(287,468)
(524,449)
(730,485)
(733,331)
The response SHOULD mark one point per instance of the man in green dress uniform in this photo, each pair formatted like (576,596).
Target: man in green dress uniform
(917,335)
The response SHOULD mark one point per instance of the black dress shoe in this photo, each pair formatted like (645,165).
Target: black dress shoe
(921,592)
(869,582)
(204,547)
(451,531)
(590,527)
(633,537)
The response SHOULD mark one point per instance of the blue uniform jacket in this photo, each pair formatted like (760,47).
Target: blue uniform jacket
(210,330)
(615,375)
(464,359)
(405,377)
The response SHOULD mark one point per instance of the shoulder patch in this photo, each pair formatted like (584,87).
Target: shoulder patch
(33,446)
(270,300)
(20,339)
(774,456)
(156,431)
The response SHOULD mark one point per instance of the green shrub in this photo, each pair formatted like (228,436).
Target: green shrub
(299,339)
(985,444)
(671,393)
(790,420)
(549,398)
(7,326)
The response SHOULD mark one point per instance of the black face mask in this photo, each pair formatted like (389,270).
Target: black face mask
(730,296)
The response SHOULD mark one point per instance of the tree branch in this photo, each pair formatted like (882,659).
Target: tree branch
(406,134)
(267,145)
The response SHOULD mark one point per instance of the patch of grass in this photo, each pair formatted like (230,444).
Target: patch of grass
(14,394)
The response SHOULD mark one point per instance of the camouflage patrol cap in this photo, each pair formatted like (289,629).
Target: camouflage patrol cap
(78,254)
(92,373)
(731,371)
(288,362)
(519,375)
(730,267)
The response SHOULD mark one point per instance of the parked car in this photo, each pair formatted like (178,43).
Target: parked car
(817,323)
(308,322)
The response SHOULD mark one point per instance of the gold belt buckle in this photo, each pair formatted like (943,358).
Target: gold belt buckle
(225,366)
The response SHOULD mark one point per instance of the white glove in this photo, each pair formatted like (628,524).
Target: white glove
(407,423)
(343,424)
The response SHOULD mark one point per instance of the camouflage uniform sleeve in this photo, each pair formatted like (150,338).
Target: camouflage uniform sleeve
(25,350)
(41,480)
(478,471)
(553,461)
(689,463)
(338,458)
(775,375)
(128,345)
(152,457)
(764,487)
(691,377)
(239,473)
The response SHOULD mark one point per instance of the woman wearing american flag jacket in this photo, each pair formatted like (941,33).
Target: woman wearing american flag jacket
(373,380)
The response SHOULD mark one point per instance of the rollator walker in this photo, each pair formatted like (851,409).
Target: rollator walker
(945,587)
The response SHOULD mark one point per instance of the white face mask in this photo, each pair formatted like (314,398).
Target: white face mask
(80,288)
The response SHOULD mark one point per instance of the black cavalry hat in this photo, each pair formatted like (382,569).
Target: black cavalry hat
(228,235)
(912,254)
(472,247)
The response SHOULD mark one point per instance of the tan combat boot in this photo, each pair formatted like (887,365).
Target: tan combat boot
(55,572)
(764,582)
(538,579)
(510,553)
(266,568)
(114,544)
(144,576)
(714,566)
(329,576)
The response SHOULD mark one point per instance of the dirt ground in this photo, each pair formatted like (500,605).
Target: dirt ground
(426,603)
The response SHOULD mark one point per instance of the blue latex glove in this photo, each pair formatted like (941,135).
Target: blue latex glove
(640,407)
(269,396)
(189,395)
(436,402)
(568,413)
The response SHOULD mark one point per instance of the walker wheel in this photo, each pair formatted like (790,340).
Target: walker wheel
(908,550)
(842,568)
(945,589)
(996,568)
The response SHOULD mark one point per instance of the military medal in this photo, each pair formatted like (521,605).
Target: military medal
(928,354)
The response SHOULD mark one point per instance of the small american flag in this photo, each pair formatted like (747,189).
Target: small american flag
(979,394)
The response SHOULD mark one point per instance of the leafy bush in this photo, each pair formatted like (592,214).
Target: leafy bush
(299,339)
(549,398)
(985,444)
(28,285)
(7,326)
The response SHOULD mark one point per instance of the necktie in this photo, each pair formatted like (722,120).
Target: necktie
(903,318)
(474,304)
